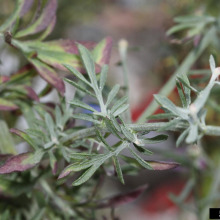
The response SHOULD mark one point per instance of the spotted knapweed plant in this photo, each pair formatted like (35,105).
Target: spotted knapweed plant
(69,150)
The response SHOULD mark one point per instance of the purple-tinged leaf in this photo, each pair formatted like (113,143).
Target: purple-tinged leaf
(24,136)
(102,51)
(26,6)
(122,199)
(59,52)
(31,93)
(156,165)
(6,105)
(49,75)
(159,165)
(12,18)
(4,79)
(48,30)
(65,172)
(42,22)
(4,157)
(53,162)
(21,162)
(23,75)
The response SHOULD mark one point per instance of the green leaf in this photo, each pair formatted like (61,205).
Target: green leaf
(102,51)
(193,134)
(46,17)
(154,140)
(112,94)
(87,174)
(110,126)
(115,123)
(89,65)
(83,105)
(141,161)
(119,103)
(181,94)
(6,105)
(50,126)
(182,137)
(103,77)
(186,83)
(21,162)
(142,150)
(24,136)
(7,144)
(121,109)
(58,116)
(78,86)
(49,75)
(212,63)
(77,74)
(179,27)
(53,162)
(128,134)
(162,116)
(14,15)
(118,169)
(86,117)
(170,124)
(166,103)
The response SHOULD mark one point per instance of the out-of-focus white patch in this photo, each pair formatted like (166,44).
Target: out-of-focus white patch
(9,62)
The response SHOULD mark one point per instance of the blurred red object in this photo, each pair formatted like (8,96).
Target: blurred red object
(159,201)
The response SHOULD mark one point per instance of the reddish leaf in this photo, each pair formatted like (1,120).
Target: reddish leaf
(20,162)
(102,51)
(59,52)
(31,93)
(121,199)
(4,79)
(24,136)
(49,75)
(6,105)
(26,6)
(158,165)
(46,17)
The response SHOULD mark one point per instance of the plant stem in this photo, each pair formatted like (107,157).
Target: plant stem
(183,69)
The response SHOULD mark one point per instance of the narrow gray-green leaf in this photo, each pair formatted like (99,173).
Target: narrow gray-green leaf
(161,116)
(181,95)
(170,124)
(78,86)
(166,103)
(143,150)
(87,174)
(121,109)
(111,128)
(119,103)
(212,63)
(141,161)
(89,65)
(50,125)
(103,77)
(86,117)
(154,140)
(128,134)
(80,104)
(193,134)
(112,94)
(182,137)
(118,169)
(58,116)
(77,74)
(115,123)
